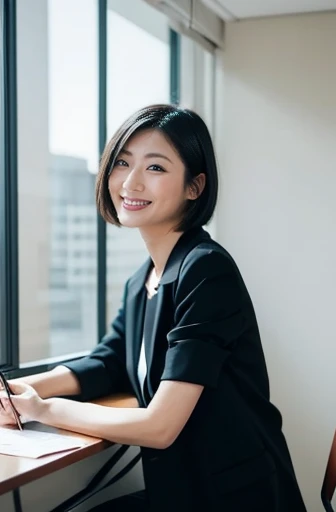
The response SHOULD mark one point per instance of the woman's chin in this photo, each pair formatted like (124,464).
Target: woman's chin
(129,223)
(129,226)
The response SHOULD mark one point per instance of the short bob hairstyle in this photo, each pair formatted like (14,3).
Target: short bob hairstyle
(188,134)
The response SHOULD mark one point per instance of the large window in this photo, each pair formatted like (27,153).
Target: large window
(71,72)
(57,160)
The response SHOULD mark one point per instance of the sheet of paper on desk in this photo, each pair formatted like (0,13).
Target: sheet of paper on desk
(35,441)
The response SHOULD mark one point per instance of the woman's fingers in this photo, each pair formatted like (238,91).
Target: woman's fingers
(26,401)
(19,388)
(3,395)
(6,414)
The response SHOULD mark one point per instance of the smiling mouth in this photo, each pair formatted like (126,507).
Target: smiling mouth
(134,205)
(130,202)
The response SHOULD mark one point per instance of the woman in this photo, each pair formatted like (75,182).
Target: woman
(185,341)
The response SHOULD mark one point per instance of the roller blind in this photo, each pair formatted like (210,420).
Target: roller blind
(194,19)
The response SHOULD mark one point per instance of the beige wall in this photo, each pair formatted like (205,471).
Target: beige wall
(276,135)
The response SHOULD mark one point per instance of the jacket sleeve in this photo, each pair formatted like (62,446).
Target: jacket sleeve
(208,318)
(103,371)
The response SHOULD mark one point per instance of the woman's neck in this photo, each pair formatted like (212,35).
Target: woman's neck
(159,247)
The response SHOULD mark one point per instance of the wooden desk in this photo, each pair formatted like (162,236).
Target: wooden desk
(18,471)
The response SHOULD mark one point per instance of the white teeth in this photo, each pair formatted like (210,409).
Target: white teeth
(136,203)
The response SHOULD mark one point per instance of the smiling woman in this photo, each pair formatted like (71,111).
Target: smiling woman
(155,153)
(139,183)
(185,341)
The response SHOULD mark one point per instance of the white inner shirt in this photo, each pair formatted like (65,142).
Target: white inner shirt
(142,368)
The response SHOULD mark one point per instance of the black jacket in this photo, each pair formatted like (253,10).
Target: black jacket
(205,332)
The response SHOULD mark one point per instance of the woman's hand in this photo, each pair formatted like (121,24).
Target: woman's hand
(6,416)
(25,400)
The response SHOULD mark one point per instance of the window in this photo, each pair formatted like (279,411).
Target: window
(133,82)
(57,88)
(198,87)
(197,79)
(65,86)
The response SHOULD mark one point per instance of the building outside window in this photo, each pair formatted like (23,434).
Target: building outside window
(57,88)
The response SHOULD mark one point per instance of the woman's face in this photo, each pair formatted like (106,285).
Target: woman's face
(147,183)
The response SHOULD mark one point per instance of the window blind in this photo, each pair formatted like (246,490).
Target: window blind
(195,19)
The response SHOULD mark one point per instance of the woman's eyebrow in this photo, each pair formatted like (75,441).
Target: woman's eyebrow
(157,155)
(148,155)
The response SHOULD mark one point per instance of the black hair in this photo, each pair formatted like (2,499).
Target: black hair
(190,137)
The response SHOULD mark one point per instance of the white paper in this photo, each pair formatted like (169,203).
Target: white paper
(35,441)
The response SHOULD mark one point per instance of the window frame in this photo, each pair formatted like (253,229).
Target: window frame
(102,127)
(175,66)
(9,298)
(3,334)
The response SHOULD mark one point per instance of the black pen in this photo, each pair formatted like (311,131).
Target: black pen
(4,385)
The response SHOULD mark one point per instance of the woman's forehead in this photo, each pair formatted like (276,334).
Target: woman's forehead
(149,139)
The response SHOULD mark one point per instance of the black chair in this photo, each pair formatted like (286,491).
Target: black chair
(329,482)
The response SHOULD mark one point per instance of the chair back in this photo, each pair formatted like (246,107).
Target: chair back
(329,482)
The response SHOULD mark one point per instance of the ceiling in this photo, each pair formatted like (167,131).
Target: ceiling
(240,9)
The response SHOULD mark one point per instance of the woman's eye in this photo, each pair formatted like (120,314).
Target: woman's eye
(120,163)
(156,168)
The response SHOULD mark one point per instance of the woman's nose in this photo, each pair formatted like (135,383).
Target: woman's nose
(133,181)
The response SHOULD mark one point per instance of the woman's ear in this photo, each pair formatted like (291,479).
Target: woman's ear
(196,188)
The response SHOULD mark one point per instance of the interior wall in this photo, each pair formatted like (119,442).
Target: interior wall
(276,133)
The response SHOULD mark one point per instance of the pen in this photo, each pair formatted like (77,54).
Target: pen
(4,385)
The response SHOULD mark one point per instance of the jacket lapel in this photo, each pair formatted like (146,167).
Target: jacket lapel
(186,242)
